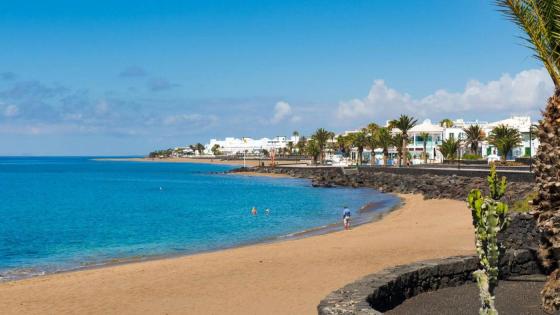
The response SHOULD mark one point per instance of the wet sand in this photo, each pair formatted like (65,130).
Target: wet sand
(288,277)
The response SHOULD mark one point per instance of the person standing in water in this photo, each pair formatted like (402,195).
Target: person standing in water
(346,218)
(254,211)
(267,211)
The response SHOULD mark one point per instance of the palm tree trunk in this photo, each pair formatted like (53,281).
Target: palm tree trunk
(405,150)
(360,153)
(547,202)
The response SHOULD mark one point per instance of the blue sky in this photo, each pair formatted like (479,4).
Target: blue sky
(125,77)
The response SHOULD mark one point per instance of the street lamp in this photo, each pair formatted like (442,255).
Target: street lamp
(459,158)
(531,147)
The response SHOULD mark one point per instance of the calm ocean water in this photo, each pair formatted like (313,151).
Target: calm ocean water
(64,213)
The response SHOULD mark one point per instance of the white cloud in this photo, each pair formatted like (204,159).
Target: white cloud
(282,110)
(524,93)
(11,111)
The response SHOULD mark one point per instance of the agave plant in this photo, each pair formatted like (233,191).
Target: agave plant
(404,124)
(540,20)
(505,139)
(475,135)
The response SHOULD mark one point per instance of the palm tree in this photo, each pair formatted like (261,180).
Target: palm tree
(300,146)
(295,133)
(446,123)
(384,140)
(540,19)
(474,136)
(505,139)
(199,147)
(321,136)
(290,147)
(344,143)
(449,148)
(313,149)
(371,128)
(425,136)
(359,141)
(404,124)
(397,141)
(216,149)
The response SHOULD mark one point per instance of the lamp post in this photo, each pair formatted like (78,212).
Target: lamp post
(244,152)
(459,158)
(531,147)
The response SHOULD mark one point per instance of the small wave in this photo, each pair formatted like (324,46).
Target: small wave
(20,273)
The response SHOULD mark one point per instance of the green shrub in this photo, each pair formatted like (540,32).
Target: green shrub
(469,156)
(524,205)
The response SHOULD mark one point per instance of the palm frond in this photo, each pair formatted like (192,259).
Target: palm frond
(541,22)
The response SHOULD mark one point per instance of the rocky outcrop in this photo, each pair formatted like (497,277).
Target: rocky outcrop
(432,186)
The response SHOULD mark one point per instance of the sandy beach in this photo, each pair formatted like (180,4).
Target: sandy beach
(288,277)
(248,163)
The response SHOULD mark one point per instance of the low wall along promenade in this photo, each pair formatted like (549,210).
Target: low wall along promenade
(432,183)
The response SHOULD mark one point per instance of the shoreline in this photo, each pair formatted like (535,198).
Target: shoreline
(215,161)
(276,277)
(369,212)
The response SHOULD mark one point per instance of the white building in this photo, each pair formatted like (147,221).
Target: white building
(528,146)
(233,146)
(437,133)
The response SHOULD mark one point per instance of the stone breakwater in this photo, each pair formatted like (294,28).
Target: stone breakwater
(432,186)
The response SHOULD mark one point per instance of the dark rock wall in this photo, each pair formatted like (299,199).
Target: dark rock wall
(521,233)
(382,291)
(397,180)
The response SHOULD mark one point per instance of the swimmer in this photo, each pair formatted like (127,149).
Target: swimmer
(267,211)
(254,211)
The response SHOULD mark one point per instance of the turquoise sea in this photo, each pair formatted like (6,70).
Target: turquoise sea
(64,213)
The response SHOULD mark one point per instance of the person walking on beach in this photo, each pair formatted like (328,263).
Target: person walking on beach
(254,211)
(346,218)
